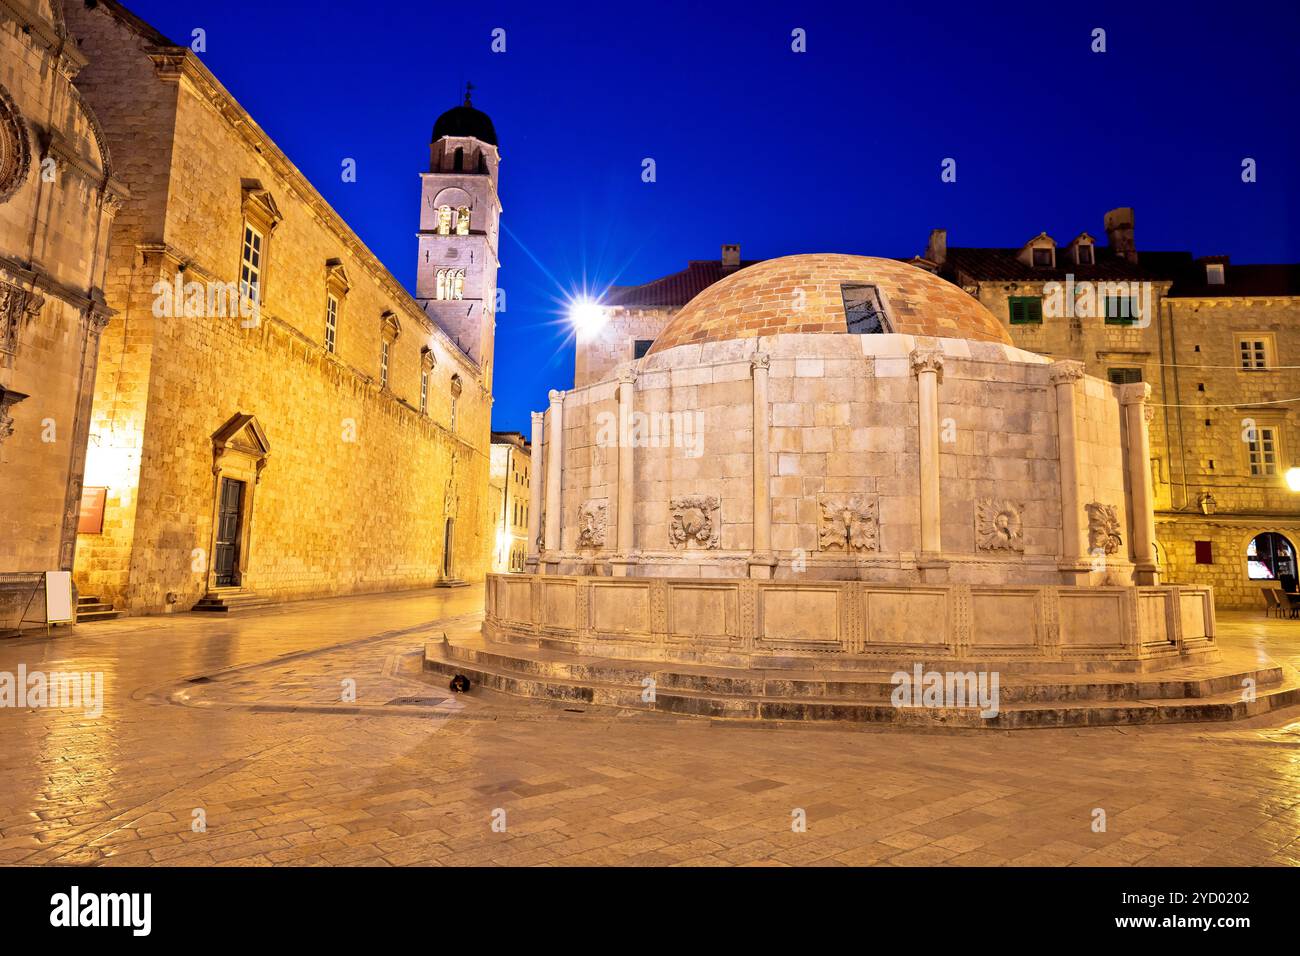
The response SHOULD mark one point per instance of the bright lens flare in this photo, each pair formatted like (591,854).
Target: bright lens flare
(586,317)
(1293,479)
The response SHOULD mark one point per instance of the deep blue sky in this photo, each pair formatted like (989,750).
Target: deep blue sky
(833,150)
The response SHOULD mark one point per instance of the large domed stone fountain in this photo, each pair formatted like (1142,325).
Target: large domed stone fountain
(831,467)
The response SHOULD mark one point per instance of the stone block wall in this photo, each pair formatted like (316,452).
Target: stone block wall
(843,432)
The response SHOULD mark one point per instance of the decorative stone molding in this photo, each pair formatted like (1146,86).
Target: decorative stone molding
(927,360)
(259,206)
(694,520)
(999,525)
(389,327)
(336,278)
(847,523)
(1066,371)
(17,307)
(592,518)
(760,360)
(427,359)
(1103,528)
(15,147)
(241,435)
(8,399)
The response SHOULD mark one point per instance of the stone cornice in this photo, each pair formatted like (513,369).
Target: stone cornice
(177,63)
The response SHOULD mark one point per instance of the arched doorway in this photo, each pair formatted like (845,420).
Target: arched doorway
(447,550)
(1270,557)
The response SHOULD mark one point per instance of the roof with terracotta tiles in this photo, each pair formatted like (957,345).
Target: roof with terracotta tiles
(672,291)
(763,300)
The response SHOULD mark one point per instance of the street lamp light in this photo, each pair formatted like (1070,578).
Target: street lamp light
(1293,478)
(587,317)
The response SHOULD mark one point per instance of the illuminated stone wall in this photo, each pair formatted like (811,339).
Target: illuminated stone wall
(359,482)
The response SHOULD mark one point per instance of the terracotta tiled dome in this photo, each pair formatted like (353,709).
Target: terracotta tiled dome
(761,300)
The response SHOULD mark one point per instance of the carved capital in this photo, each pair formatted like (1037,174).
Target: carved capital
(1065,372)
(626,375)
(556,396)
(760,360)
(538,418)
(1134,393)
(927,360)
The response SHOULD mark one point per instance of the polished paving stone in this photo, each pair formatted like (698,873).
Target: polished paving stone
(249,723)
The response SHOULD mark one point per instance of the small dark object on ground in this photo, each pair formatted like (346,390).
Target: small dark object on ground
(460,684)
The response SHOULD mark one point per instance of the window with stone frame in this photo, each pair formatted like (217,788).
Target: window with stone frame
(389,330)
(331,322)
(1120,310)
(1255,351)
(640,347)
(1262,449)
(336,290)
(384,348)
(250,264)
(1124,376)
(261,216)
(1083,254)
(864,310)
(449,284)
(1025,309)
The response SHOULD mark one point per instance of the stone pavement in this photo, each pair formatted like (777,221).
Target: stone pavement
(242,720)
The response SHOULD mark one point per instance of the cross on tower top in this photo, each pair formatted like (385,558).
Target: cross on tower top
(468,88)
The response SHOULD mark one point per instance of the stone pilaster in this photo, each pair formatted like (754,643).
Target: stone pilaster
(1073,566)
(1137,452)
(927,366)
(625,557)
(537,482)
(762,561)
(554,480)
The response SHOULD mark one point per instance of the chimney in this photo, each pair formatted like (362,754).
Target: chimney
(731,257)
(936,250)
(1119,232)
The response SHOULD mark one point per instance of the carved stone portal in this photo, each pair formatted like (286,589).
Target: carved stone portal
(998,525)
(847,523)
(592,517)
(694,521)
(1103,528)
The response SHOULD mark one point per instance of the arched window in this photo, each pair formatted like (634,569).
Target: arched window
(456,282)
(1270,557)
(462,221)
(458,162)
(441,291)
(444,220)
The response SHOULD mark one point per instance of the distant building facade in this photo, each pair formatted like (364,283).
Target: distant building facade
(1218,343)
(58,200)
(510,481)
(275,416)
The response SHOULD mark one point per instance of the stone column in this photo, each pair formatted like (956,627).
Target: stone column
(1073,565)
(554,477)
(536,482)
(927,365)
(1142,513)
(625,556)
(762,562)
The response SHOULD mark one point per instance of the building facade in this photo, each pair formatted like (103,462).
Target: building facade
(1220,346)
(511,477)
(275,416)
(58,199)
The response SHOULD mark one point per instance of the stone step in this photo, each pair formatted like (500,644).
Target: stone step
(855,685)
(229,602)
(85,607)
(100,612)
(83,599)
(493,670)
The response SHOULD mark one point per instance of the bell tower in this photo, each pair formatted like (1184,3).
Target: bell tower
(456,280)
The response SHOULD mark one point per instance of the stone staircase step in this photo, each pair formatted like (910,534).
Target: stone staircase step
(703,691)
(102,612)
(229,602)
